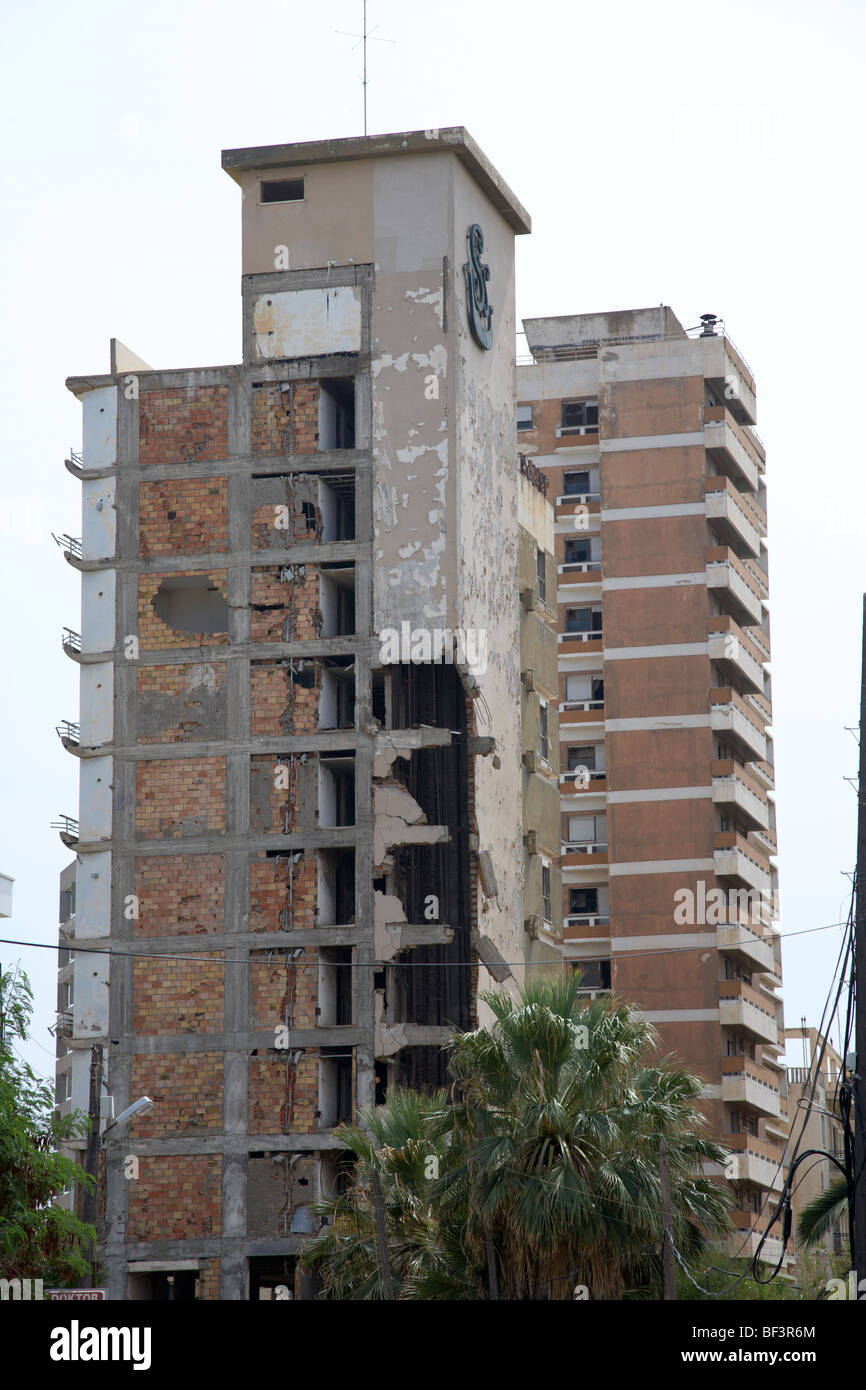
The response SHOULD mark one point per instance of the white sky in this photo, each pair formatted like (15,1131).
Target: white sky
(705,156)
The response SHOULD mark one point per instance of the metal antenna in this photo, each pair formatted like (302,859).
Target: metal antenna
(362,39)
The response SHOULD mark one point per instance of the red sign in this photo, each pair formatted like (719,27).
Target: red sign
(75,1295)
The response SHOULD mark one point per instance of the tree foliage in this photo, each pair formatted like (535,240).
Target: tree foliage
(538,1173)
(38,1238)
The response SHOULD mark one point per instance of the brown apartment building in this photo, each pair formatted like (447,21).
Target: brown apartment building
(308,833)
(646,432)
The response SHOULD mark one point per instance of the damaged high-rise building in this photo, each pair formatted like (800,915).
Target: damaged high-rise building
(319,803)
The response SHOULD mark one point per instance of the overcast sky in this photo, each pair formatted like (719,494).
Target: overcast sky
(708,156)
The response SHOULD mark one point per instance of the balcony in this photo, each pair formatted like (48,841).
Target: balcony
(738,939)
(582,711)
(734,653)
(724,367)
(749,1086)
(580,643)
(583,505)
(762,706)
(69,829)
(744,1008)
(744,1242)
(69,734)
(779,1127)
(744,729)
(71,642)
(70,545)
(732,446)
(579,581)
(756,1161)
(592,500)
(736,857)
(738,521)
(584,855)
(576,923)
(738,586)
(578,571)
(582,781)
(764,841)
(732,786)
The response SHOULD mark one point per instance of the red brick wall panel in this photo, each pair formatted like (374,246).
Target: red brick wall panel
(180,796)
(182,424)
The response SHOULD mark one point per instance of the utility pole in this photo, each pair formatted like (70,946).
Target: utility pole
(381,1237)
(91,1156)
(858,1253)
(669,1269)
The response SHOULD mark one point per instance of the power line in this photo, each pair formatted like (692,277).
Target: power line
(374,965)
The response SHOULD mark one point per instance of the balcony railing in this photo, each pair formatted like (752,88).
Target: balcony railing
(587,919)
(595,636)
(733,786)
(738,937)
(68,733)
(740,1006)
(587,847)
(70,640)
(68,827)
(583,705)
(728,643)
(575,567)
(578,775)
(738,445)
(70,545)
(734,515)
(579,497)
(735,583)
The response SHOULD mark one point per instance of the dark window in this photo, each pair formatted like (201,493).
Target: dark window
(583,902)
(269,1274)
(283,191)
(582,756)
(540,569)
(344,989)
(575,484)
(580,415)
(545,892)
(543,740)
(524,417)
(381,1083)
(337,413)
(578,552)
(344,1090)
(577,619)
(345,518)
(594,974)
(583,620)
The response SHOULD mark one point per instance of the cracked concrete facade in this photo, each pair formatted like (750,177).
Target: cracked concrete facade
(356,471)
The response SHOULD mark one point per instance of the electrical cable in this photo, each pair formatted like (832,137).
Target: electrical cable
(69,945)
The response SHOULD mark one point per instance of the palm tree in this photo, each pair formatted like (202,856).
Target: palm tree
(409,1144)
(823,1212)
(564,1117)
(539,1174)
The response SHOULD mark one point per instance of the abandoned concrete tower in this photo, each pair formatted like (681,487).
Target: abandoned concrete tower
(303,832)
